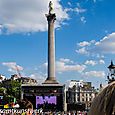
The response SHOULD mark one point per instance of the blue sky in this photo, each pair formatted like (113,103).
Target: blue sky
(85,38)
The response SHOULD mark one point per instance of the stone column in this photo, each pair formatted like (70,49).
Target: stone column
(51,48)
(51,17)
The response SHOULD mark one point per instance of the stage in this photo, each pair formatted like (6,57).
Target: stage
(45,96)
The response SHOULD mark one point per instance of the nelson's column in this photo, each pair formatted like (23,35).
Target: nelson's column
(51,17)
(50,87)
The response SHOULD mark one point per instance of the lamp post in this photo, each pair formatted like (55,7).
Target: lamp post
(111,75)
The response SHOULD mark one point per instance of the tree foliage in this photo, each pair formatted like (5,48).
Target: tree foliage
(13,88)
(2,90)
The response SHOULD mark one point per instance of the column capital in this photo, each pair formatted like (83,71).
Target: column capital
(51,17)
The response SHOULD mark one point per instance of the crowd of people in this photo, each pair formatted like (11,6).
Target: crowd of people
(47,106)
(39,112)
(64,113)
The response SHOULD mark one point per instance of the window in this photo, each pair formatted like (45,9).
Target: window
(25,91)
(82,99)
(90,99)
(37,91)
(32,91)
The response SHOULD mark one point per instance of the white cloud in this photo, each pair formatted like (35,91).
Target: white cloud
(28,15)
(77,10)
(93,63)
(84,43)
(40,78)
(62,66)
(45,64)
(80,10)
(95,74)
(83,19)
(90,62)
(107,44)
(101,61)
(66,60)
(83,47)
(98,48)
(82,51)
(69,3)
(12,66)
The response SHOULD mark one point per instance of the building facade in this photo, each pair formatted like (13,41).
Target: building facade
(2,77)
(80,92)
(23,80)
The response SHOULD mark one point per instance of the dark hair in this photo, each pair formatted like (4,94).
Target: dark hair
(25,104)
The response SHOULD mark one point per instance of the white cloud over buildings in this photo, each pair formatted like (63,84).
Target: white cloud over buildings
(12,66)
(64,67)
(40,78)
(95,74)
(67,65)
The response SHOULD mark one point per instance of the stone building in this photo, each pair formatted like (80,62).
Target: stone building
(80,92)
(2,77)
(23,80)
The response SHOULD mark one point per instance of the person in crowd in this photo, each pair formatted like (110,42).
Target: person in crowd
(25,104)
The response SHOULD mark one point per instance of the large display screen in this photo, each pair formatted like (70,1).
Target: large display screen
(42,101)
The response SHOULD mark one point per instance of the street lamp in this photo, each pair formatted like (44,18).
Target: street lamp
(111,75)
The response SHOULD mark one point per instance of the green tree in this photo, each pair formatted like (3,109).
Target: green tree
(13,88)
(2,90)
